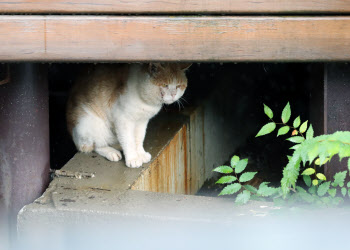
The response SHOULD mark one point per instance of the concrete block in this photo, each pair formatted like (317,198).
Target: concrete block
(185,148)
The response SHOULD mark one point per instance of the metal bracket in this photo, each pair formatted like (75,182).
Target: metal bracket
(4,73)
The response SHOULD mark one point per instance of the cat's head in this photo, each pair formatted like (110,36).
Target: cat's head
(170,78)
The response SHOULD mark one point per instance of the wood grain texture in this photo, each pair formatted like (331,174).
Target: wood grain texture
(129,39)
(169,172)
(175,6)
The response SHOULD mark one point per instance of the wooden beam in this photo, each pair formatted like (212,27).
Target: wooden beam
(175,6)
(144,38)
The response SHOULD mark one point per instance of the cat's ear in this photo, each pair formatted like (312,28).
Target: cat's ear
(185,66)
(154,68)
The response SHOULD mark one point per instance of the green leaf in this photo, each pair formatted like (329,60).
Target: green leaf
(304,195)
(312,189)
(308,171)
(266,129)
(251,188)
(326,200)
(268,111)
(231,189)
(339,178)
(247,176)
(300,189)
(323,188)
(296,122)
(295,147)
(223,170)
(318,161)
(343,191)
(320,146)
(290,174)
(257,198)
(312,151)
(310,133)
(337,201)
(282,131)
(321,176)
(265,190)
(279,202)
(332,192)
(286,113)
(241,165)
(344,151)
(303,127)
(234,160)
(289,157)
(348,184)
(307,180)
(243,197)
(315,182)
(226,179)
(296,139)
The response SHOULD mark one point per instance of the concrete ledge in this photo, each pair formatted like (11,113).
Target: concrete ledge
(105,213)
(128,220)
(147,220)
(185,147)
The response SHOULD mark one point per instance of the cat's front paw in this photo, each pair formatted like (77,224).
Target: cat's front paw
(114,155)
(146,157)
(134,162)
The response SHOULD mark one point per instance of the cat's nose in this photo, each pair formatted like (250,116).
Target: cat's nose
(173,94)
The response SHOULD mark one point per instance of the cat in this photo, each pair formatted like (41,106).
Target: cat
(113,103)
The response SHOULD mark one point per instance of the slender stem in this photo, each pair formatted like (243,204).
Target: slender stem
(291,127)
(240,182)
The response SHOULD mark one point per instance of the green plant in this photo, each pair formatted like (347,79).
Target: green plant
(310,152)
(236,177)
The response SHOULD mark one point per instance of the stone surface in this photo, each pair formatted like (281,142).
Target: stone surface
(185,148)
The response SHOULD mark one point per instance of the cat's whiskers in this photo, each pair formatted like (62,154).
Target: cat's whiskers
(183,99)
(180,104)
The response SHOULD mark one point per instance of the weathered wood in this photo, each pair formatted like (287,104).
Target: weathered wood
(24,142)
(170,171)
(107,38)
(175,6)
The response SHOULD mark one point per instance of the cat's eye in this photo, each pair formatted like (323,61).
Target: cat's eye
(177,86)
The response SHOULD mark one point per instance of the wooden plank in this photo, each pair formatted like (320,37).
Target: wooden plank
(169,171)
(175,6)
(129,39)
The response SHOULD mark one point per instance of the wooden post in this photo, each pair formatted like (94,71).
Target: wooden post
(24,141)
(336,107)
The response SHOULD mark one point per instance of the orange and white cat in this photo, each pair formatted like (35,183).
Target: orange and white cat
(113,103)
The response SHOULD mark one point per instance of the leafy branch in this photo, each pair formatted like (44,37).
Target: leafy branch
(237,167)
(308,149)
